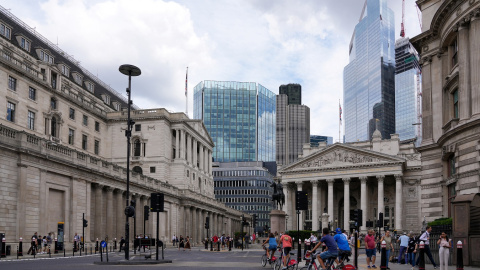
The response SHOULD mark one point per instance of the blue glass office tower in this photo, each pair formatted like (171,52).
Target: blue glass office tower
(407,92)
(368,80)
(240,117)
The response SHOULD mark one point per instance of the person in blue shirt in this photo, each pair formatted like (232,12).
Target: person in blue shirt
(272,245)
(343,245)
(331,250)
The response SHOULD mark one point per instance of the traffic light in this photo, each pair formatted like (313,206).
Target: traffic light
(254,220)
(357,217)
(207,223)
(301,202)
(380,220)
(85,223)
(130,211)
(146,212)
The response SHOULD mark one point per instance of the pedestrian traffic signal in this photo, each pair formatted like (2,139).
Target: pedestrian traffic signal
(207,223)
(357,217)
(301,202)
(130,211)
(254,220)
(380,220)
(146,212)
(85,223)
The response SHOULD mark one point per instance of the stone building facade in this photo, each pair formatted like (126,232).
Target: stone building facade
(449,47)
(63,151)
(375,176)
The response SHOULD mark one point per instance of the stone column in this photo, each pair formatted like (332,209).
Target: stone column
(300,216)
(189,148)
(22,196)
(210,162)
(194,150)
(205,163)
(315,205)
(346,203)
(464,93)
(287,207)
(194,221)
(182,144)
(200,225)
(363,201)
(98,212)
(177,143)
(330,199)
(200,156)
(110,213)
(398,203)
(120,214)
(475,62)
(381,203)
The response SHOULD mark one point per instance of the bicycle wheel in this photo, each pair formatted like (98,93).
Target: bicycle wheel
(264,260)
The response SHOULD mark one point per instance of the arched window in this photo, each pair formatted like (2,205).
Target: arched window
(138,169)
(53,127)
(136,148)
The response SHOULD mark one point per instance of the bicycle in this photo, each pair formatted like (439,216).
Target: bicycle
(265,258)
(292,264)
(329,263)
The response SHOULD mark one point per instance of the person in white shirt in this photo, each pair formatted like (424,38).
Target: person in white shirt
(425,237)
(403,240)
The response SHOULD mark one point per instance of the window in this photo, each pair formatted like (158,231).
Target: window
(32,93)
(71,136)
(12,83)
(137,169)
(152,169)
(53,103)
(105,98)
(46,57)
(85,120)
(84,142)
(455,104)
(71,114)
(11,112)
(138,127)
(136,148)
(97,147)
(65,70)
(31,120)
(116,105)
(451,166)
(25,44)
(53,127)
(5,31)
(77,78)
(54,80)
(90,88)
(97,126)
(454,47)
(452,193)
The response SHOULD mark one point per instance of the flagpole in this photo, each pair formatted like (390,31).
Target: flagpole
(339,120)
(186,93)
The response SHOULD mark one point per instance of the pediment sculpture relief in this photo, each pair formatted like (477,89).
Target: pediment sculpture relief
(339,157)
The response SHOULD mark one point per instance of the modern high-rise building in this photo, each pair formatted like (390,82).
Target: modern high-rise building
(369,78)
(240,117)
(316,139)
(407,91)
(293,124)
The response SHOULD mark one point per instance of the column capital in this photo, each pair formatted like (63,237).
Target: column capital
(119,191)
(330,181)
(398,177)
(109,189)
(314,182)
(380,177)
(346,180)
(464,24)
(363,179)
(99,186)
(299,183)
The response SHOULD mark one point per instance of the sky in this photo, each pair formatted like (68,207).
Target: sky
(271,42)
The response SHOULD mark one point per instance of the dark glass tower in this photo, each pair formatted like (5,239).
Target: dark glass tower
(369,78)
(240,117)
(293,92)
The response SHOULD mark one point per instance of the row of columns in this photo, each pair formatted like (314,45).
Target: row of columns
(363,200)
(186,148)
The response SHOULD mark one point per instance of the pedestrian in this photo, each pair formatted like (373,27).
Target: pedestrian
(33,244)
(174,239)
(425,237)
(49,241)
(403,240)
(181,243)
(122,242)
(389,247)
(444,250)
(370,249)
(187,243)
(76,238)
(44,244)
(39,245)
(412,242)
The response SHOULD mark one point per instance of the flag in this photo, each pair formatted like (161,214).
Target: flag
(340,112)
(186,82)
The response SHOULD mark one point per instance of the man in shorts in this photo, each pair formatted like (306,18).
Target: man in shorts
(370,248)
(330,252)
(286,242)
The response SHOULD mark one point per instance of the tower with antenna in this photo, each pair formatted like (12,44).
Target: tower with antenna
(402,31)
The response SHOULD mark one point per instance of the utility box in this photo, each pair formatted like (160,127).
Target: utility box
(466,220)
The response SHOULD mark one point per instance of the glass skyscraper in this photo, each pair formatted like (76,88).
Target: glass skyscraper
(240,117)
(368,80)
(407,98)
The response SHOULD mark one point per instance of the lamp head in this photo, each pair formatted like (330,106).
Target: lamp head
(130,70)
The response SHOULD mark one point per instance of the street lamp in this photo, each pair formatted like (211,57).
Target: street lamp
(129,70)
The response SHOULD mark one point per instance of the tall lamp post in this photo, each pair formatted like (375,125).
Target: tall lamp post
(129,70)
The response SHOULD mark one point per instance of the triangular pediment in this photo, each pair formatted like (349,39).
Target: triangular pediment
(341,155)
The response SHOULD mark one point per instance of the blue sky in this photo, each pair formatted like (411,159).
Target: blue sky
(271,42)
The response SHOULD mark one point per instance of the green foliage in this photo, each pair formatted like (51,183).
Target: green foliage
(303,234)
(441,221)
(237,234)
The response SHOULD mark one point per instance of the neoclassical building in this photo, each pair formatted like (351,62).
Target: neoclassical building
(375,176)
(63,151)
(449,47)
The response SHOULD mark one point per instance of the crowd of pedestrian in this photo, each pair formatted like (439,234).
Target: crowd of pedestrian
(39,244)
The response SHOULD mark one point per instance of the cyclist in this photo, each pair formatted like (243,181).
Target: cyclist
(343,246)
(331,250)
(286,242)
(272,245)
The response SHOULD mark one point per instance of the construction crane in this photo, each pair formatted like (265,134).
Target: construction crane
(402,31)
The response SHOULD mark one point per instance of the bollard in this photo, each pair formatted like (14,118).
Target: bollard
(230,245)
(17,252)
(421,256)
(96,246)
(4,248)
(56,244)
(20,247)
(459,255)
(115,244)
(206,244)
(64,252)
(383,261)
(211,245)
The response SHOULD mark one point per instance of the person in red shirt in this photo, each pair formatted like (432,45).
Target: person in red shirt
(370,249)
(286,242)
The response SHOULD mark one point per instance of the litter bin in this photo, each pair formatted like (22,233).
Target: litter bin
(9,249)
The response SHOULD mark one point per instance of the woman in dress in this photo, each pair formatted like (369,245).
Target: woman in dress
(187,243)
(444,250)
